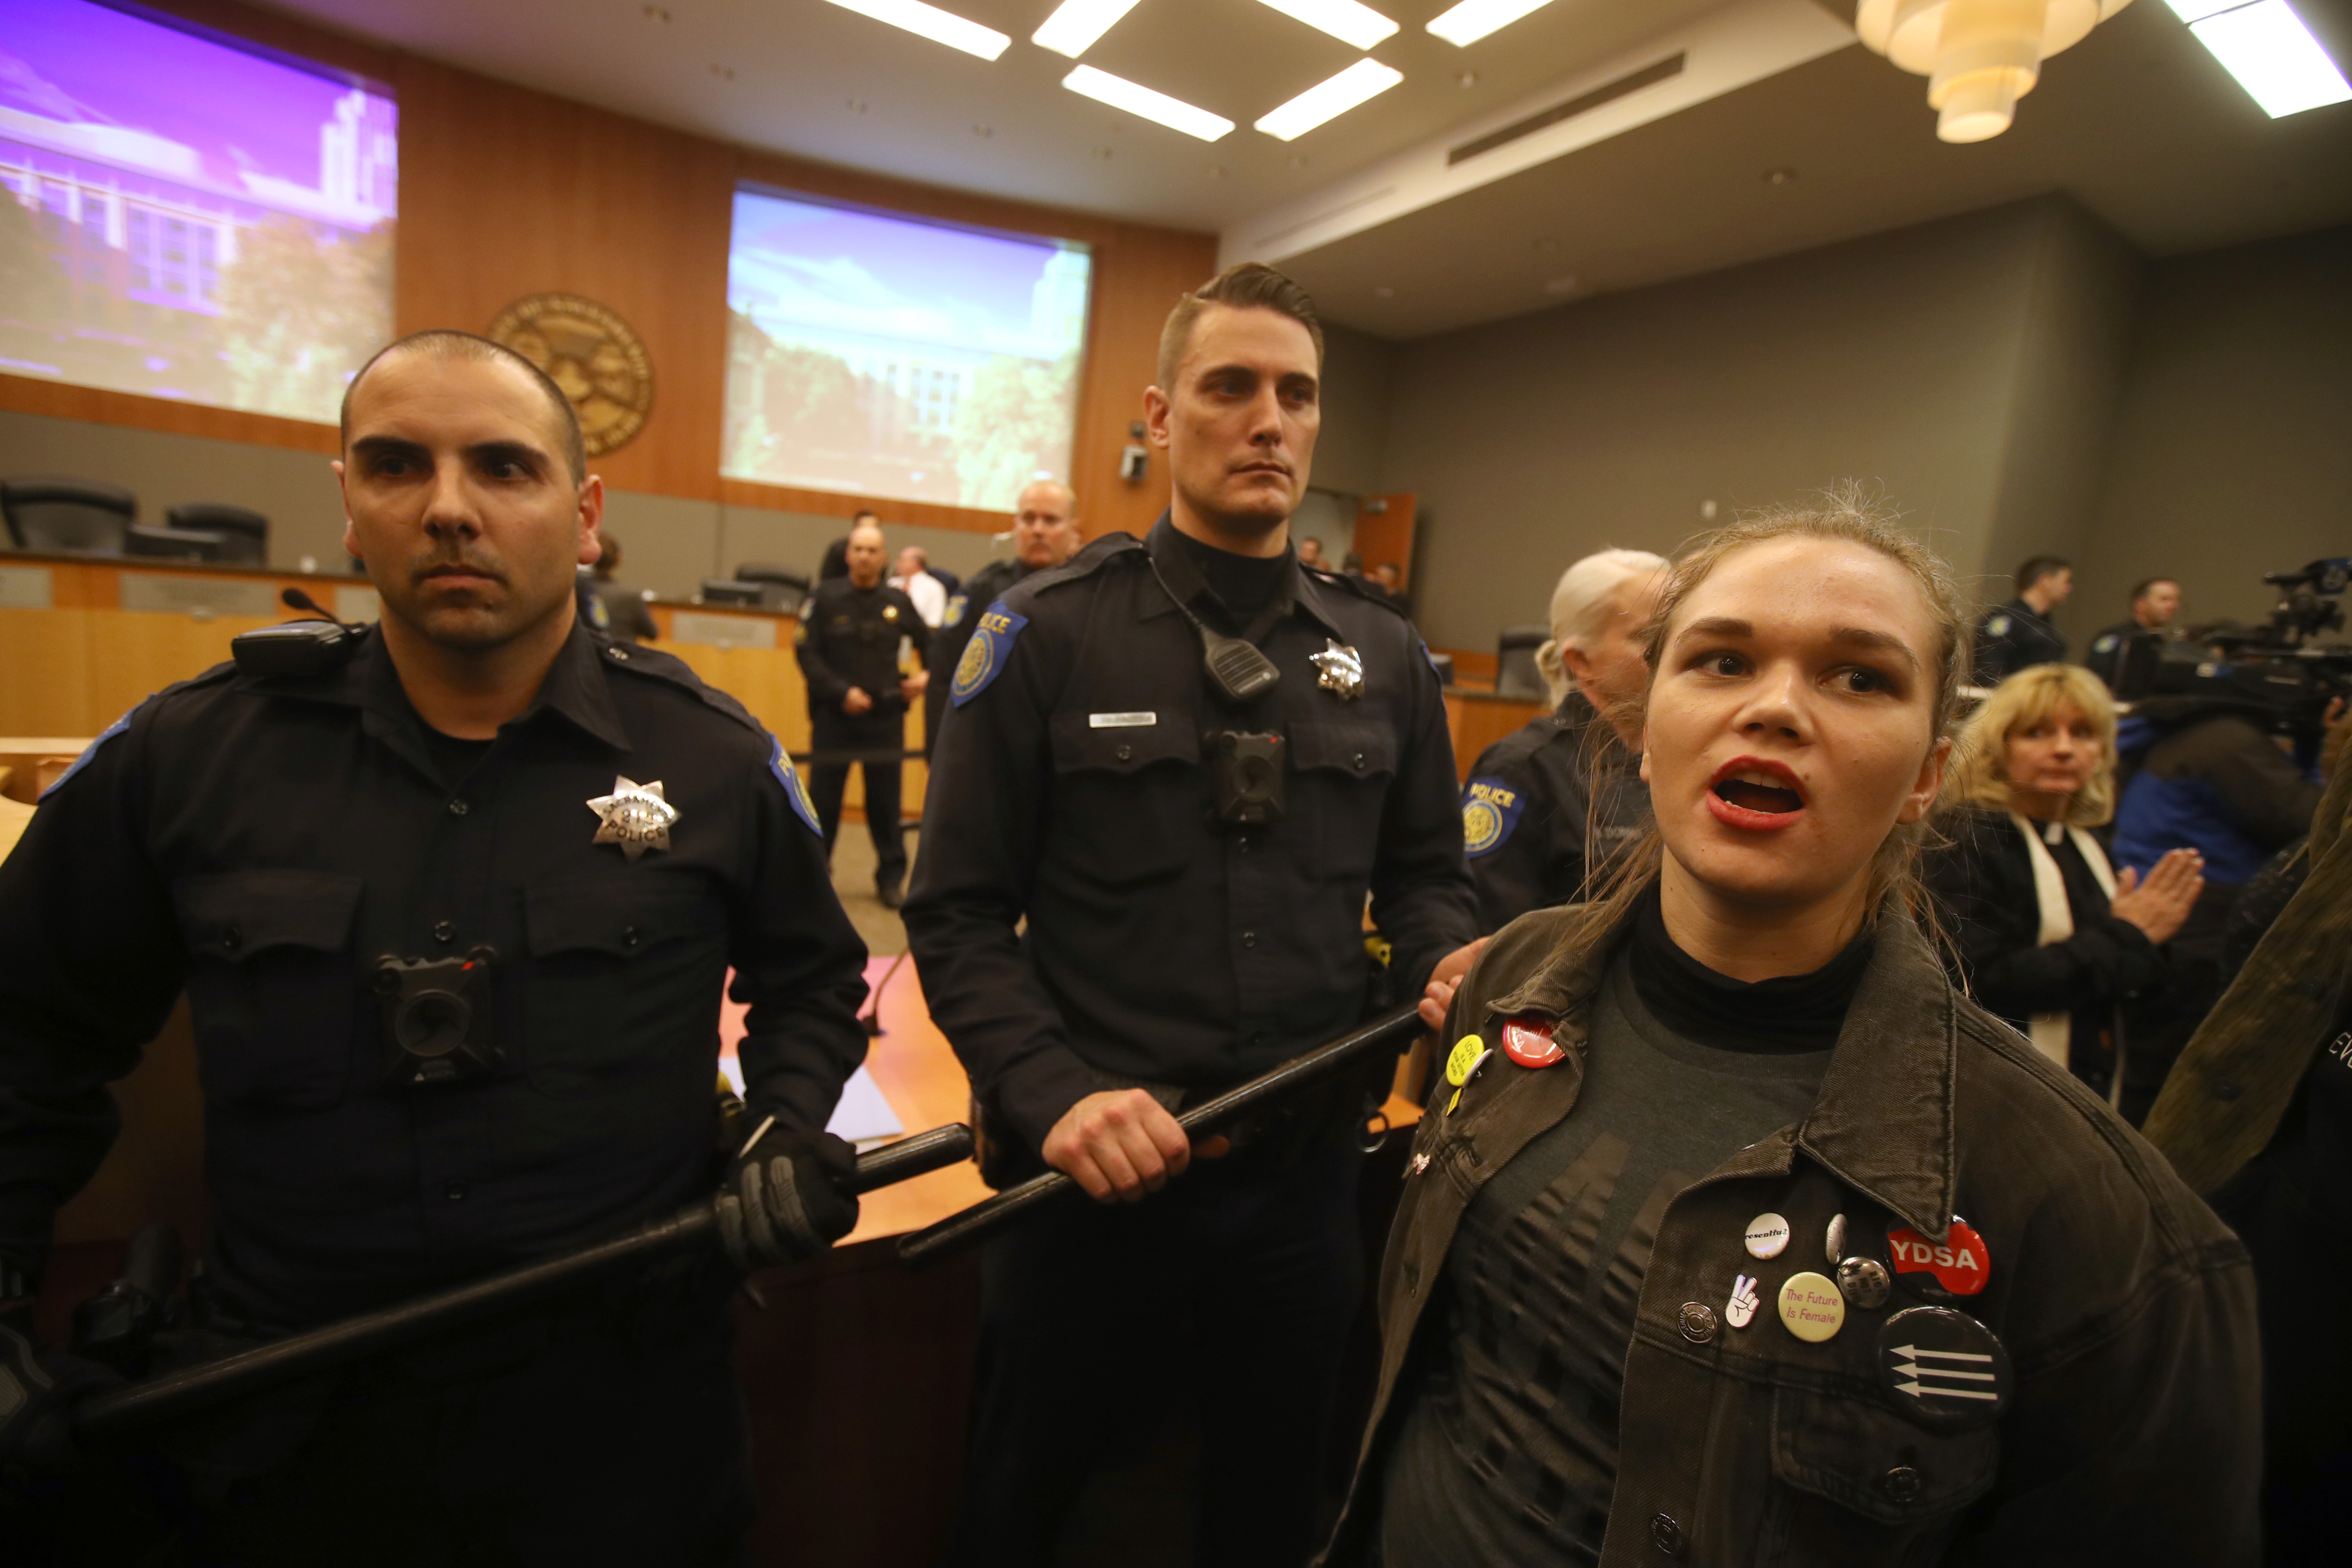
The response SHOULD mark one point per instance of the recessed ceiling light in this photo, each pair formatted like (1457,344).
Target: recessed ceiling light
(1562,285)
(1216,171)
(1137,100)
(1077,23)
(930,22)
(1472,20)
(657,13)
(983,132)
(1102,152)
(1467,78)
(1780,176)
(2273,56)
(1366,79)
(1385,292)
(856,105)
(1298,159)
(1545,247)
(724,73)
(1344,19)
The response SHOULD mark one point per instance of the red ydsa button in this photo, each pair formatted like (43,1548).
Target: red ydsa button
(1959,1265)
(1529,1042)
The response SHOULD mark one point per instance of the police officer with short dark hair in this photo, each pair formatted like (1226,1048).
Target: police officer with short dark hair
(453,899)
(2019,632)
(1045,533)
(849,640)
(2154,602)
(1184,763)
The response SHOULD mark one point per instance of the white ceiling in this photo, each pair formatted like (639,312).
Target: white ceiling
(2137,123)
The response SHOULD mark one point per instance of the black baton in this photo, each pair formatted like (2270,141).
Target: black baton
(177,1393)
(1389,1031)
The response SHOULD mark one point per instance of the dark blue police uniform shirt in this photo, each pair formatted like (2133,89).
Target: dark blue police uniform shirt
(266,843)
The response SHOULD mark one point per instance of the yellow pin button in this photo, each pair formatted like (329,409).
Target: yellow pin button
(1463,1059)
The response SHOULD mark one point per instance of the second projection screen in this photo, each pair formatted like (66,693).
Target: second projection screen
(881,356)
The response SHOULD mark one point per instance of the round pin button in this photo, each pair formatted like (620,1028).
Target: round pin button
(1697,1320)
(1943,1369)
(1529,1042)
(1959,1265)
(1768,1236)
(1463,1059)
(1836,1249)
(1812,1307)
(1862,1281)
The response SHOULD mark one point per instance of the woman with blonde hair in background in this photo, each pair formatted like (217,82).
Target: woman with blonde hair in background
(1680,1273)
(2048,937)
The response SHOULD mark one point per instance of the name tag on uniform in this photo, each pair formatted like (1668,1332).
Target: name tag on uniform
(1122,721)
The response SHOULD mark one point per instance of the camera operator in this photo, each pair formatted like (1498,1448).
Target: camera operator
(2154,602)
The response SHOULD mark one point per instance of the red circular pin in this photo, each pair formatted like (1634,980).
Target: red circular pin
(1959,1265)
(1529,1042)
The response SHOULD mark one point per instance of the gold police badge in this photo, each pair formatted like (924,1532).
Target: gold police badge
(1482,826)
(592,355)
(971,669)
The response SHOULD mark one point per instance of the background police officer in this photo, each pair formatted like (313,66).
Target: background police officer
(1045,533)
(2154,603)
(849,641)
(1192,862)
(570,841)
(1547,805)
(2019,632)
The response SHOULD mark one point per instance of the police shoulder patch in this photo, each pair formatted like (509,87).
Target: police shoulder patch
(796,792)
(90,752)
(1490,810)
(954,613)
(1997,626)
(985,655)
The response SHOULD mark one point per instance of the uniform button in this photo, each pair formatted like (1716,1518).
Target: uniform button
(1697,1320)
(445,931)
(628,936)
(1360,761)
(1902,1484)
(1249,939)
(454,1191)
(1666,1535)
(620,653)
(1125,753)
(459,807)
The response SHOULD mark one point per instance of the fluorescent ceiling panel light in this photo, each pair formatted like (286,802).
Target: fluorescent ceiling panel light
(1328,100)
(1474,19)
(1075,24)
(1173,113)
(2198,10)
(2274,57)
(1343,19)
(940,26)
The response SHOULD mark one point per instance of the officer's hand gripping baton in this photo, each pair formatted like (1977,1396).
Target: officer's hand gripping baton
(209,1383)
(1389,1031)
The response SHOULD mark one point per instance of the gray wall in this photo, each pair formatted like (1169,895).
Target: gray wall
(2232,449)
(670,544)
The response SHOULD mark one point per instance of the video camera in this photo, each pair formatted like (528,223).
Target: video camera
(2280,667)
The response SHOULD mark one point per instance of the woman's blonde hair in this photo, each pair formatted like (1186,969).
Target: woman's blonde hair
(1979,771)
(1582,603)
(1840,514)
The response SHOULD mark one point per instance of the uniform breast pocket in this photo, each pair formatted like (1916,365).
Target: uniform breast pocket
(271,985)
(1129,799)
(1858,1483)
(624,979)
(1343,772)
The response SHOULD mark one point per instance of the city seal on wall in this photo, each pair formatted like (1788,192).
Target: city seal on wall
(600,364)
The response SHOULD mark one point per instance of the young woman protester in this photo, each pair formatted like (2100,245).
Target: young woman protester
(2050,939)
(1736,1233)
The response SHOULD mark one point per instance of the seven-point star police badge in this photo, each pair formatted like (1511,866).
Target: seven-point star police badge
(1342,667)
(635,817)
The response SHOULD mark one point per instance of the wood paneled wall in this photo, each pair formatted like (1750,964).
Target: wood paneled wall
(506,192)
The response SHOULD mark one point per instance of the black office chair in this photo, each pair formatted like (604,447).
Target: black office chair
(782,589)
(244,535)
(1516,673)
(149,542)
(67,516)
(735,596)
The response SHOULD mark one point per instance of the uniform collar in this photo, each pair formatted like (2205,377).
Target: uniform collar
(1882,1122)
(576,689)
(1296,591)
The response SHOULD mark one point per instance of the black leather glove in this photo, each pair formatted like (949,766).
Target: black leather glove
(786,1197)
(38,1389)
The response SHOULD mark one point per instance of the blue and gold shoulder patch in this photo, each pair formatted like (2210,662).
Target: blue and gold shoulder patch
(985,655)
(1490,809)
(954,615)
(797,793)
(90,751)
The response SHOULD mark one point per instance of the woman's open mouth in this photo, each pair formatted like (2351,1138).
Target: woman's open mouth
(1754,795)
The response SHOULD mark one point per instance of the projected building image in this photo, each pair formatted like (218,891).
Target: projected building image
(189,219)
(888,357)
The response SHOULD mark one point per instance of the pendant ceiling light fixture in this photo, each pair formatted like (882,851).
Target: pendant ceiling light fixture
(1980,56)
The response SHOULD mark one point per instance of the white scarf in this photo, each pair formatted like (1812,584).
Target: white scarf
(2051,1031)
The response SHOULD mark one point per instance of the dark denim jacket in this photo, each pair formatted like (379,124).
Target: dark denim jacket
(2133,1434)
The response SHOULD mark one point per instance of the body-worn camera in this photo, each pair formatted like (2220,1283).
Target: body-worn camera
(1249,777)
(438,1018)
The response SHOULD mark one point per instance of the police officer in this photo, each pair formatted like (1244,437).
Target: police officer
(2019,632)
(1045,533)
(2154,603)
(453,911)
(1548,805)
(1184,763)
(849,641)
